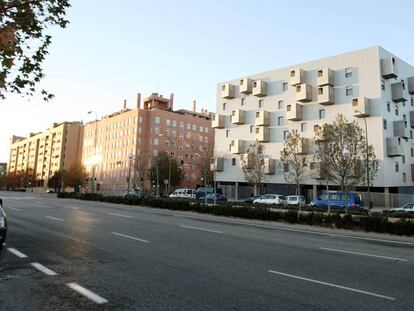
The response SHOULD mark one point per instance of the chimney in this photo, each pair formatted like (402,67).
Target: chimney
(194,105)
(171,101)
(139,100)
(125,103)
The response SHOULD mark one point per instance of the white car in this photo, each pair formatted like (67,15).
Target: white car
(296,200)
(270,199)
(183,193)
(406,208)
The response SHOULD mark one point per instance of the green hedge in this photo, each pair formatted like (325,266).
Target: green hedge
(377,223)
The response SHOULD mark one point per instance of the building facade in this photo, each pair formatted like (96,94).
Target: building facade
(125,144)
(371,83)
(39,155)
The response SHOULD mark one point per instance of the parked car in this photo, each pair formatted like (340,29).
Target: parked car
(296,200)
(3,227)
(50,190)
(251,199)
(133,194)
(271,199)
(218,197)
(201,192)
(337,199)
(183,193)
(406,208)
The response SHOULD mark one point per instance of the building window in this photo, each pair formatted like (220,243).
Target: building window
(280,120)
(224,106)
(242,101)
(348,72)
(412,152)
(349,91)
(233,161)
(174,123)
(383,85)
(157,120)
(396,110)
(384,124)
(397,167)
(404,177)
(322,114)
(280,104)
(227,133)
(411,134)
(320,90)
(168,122)
(303,127)
(403,159)
(194,127)
(285,167)
(285,87)
(285,134)
(388,107)
(412,101)
(251,128)
(155,141)
(260,103)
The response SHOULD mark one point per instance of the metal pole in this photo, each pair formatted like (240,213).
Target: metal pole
(129,176)
(169,171)
(215,169)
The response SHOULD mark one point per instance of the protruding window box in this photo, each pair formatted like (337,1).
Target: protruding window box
(262,118)
(248,160)
(246,85)
(297,76)
(259,88)
(262,134)
(216,164)
(269,166)
(397,92)
(316,170)
(303,92)
(294,112)
(217,121)
(326,95)
(325,77)
(361,107)
(388,68)
(318,133)
(237,146)
(401,129)
(410,85)
(238,116)
(228,91)
(394,147)
(303,146)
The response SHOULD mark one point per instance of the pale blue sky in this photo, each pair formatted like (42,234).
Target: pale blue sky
(114,49)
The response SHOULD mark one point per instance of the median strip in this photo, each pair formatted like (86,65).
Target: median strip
(119,215)
(201,229)
(332,285)
(43,269)
(129,237)
(361,254)
(87,293)
(17,253)
(14,208)
(54,218)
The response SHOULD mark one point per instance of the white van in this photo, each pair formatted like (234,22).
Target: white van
(183,193)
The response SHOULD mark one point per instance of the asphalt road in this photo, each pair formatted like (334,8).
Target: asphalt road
(75,255)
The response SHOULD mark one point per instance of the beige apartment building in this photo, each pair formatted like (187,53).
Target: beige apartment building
(40,155)
(132,138)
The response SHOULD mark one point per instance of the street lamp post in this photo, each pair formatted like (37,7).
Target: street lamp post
(94,149)
(169,168)
(203,166)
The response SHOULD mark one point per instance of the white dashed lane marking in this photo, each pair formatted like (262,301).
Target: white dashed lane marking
(16,252)
(43,269)
(87,293)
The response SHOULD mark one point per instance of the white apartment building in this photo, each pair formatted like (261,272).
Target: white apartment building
(371,83)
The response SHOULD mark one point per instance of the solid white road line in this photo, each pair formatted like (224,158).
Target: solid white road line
(201,229)
(16,252)
(333,285)
(14,208)
(362,254)
(54,218)
(87,293)
(119,215)
(129,237)
(72,207)
(43,269)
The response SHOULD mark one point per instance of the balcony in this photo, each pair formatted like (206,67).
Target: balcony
(401,129)
(326,95)
(303,92)
(360,106)
(318,133)
(297,76)
(303,146)
(238,116)
(248,160)
(262,118)
(259,88)
(217,121)
(216,164)
(394,147)
(316,170)
(237,146)
(246,85)
(294,112)
(269,166)
(227,91)
(388,68)
(262,134)
(397,92)
(410,85)
(325,77)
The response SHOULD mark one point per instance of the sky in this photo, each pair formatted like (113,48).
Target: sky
(112,50)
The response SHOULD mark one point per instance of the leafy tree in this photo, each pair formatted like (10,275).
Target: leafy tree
(162,162)
(55,181)
(253,166)
(204,163)
(75,175)
(345,152)
(293,157)
(24,42)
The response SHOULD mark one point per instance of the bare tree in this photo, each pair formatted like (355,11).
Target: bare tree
(253,166)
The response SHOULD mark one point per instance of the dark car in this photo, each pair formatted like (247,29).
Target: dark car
(216,197)
(201,192)
(251,199)
(3,227)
